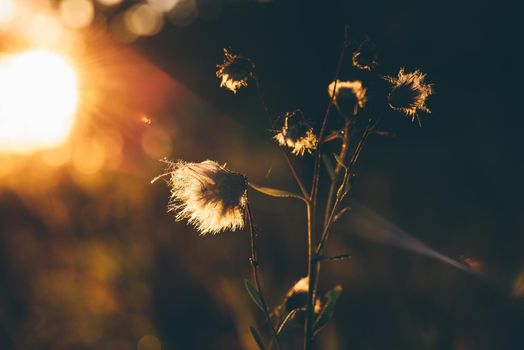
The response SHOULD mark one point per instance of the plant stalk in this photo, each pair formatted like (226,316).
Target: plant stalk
(312,268)
(254,267)
(311,205)
(342,155)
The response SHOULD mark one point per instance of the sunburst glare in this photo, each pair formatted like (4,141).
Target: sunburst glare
(38,100)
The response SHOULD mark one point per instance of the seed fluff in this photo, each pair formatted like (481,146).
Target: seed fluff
(212,198)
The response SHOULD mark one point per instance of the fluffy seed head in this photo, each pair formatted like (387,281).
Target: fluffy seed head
(211,198)
(297,134)
(365,57)
(409,93)
(349,96)
(235,72)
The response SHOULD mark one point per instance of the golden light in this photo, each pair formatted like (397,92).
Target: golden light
(38,100)
(143,20)
(109,2)
(77,14)
(7,10)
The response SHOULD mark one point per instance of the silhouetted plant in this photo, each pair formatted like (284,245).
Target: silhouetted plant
(214,199)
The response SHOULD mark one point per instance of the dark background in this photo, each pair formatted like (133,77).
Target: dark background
(455,184)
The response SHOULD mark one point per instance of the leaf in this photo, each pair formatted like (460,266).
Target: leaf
(327,311)
(253,293)
(336,257)
(273,192)
(256,337)
(288,318)
(329,166)
(343,189)
(340,213)
(340,161)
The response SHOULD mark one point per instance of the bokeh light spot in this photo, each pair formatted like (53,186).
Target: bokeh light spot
(162,5)
(109,2)
(7,10)
(184,13)
(149,342)
(156,143)
(57,157)
(88,157)
(77,14)
(38,99)
(143,20)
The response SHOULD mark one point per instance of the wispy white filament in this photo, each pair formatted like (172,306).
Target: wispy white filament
(211,198)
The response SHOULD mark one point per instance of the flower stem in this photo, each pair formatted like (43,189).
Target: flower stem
(338,169)
(311,204)
(316,170)
(312,268)
(354,158)
(295,173)
(254,267)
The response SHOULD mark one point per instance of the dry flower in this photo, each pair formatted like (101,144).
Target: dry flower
(235,72)
(212,198)
(349,96)
(365,57)
(296,297)
(297,134)
(409,93)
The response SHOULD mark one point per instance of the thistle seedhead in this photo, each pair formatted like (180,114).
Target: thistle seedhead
(409,93)
(349,96)
(365,57)
(297,134)
(235,72)
(211,198)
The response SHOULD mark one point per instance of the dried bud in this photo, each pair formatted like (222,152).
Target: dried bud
(212,198)
(409,93)
(349,96)
(365,57)
(296,297)
(297,134)
(235,71)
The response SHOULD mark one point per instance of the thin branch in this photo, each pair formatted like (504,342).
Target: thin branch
(311,210)
(312,268)
(338,169)
(348,173)
(254,267)
(295,173)
(316,171)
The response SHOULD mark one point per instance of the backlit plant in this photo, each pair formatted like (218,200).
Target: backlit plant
(214,199)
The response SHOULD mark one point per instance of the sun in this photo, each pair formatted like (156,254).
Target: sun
(38,101)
